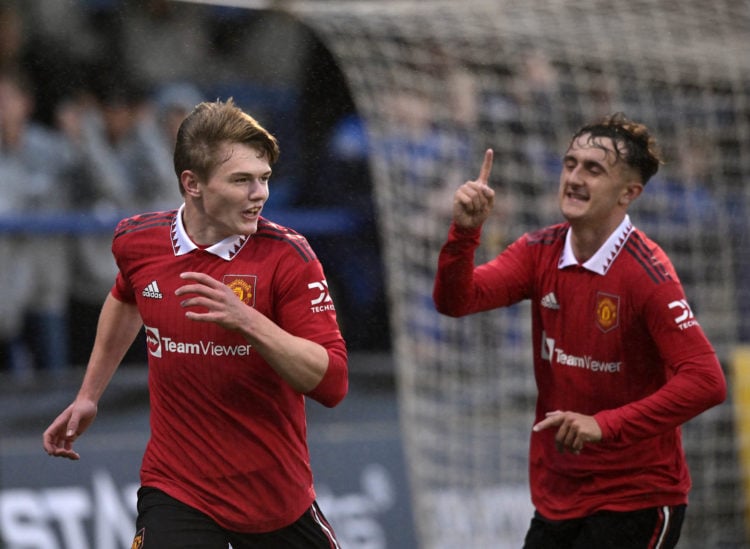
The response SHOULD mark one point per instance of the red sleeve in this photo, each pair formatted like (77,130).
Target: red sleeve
(335,383)
(698,385)
(305,308)
(695,379)
(122,291)
(461,288)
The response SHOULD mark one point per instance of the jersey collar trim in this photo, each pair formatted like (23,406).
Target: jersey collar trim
(181,243)
(605,256)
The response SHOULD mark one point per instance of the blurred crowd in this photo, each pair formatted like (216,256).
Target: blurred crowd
(91,95)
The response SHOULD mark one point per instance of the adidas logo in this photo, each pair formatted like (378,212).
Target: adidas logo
(152,290)
(550,301)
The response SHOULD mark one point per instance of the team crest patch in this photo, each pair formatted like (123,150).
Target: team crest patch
(607,311)
(138,539)
(243,286)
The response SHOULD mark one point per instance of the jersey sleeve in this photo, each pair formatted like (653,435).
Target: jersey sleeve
(122,291)
(695,380)
(121,288)
(461,288)
(304,307)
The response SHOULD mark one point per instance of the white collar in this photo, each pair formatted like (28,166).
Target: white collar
(602,260)
(181,243)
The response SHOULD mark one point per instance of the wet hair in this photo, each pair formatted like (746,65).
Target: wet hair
(632,143)
(211,125)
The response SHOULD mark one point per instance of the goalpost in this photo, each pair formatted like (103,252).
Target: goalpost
(436,83)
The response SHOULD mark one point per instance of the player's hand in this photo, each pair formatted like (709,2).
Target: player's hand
(573,430)
(67,427)
(473,201)
(219,303)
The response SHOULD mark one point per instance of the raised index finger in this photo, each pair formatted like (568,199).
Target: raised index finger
(484,172)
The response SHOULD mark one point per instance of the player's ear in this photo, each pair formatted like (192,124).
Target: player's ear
(189,182)
(632,191)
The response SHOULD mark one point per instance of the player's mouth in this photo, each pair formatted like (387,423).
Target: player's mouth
(577,195)
(252,213)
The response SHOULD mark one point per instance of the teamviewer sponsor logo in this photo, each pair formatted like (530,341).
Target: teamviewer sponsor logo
(555,355)
(153,341)
(152,291)
(159,345)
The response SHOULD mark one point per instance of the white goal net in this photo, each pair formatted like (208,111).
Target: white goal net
(436,83)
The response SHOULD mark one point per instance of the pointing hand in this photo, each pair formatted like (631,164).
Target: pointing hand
(474,200)
(573,430)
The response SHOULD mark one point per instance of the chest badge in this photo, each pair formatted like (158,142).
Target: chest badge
(607,311)
(243,286)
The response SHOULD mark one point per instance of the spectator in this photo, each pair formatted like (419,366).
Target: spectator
(174,101)
(35,166)
(117,146)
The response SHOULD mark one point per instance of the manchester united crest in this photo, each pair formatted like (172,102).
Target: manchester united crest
(243,286)
(607,311)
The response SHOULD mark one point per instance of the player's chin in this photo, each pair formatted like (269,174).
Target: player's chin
(572,209)
(248,226)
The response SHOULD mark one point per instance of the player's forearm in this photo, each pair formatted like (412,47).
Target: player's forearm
(300,362)
(698,386)
(453,287)
(117,327)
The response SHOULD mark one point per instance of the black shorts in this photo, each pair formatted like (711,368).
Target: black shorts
(166,523)
(652,528)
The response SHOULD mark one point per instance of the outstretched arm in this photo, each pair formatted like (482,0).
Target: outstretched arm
(454,291)
(118,325)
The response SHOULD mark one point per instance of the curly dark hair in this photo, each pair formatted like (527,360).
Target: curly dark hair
(633,142)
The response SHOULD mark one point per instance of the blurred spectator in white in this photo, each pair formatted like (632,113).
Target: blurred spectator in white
(174,101)
(120,151)
(35,272)
(171,103)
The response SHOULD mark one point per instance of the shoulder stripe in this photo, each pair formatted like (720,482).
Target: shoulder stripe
(270,230)
(144,221)
(637,248)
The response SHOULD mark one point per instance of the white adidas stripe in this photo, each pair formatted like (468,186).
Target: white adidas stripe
(664,527)
(325,527)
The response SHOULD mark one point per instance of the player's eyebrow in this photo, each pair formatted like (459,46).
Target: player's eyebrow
(252,174)
(588,163)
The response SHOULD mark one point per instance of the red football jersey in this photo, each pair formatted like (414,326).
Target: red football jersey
(228,435)
(614,338)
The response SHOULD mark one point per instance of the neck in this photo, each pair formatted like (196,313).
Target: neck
(586,239)
(200,233)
